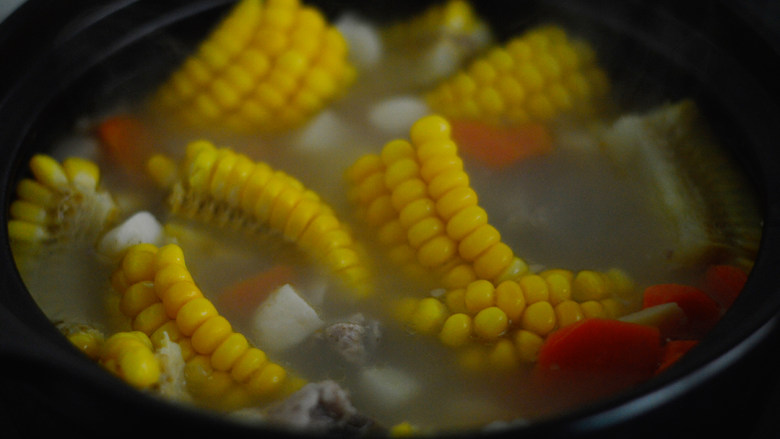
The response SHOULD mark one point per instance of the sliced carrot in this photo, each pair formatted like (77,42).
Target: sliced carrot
(724,283)
(242,298)
(700,309)
(500,146)
(602,347)
(673,350)
(126,141)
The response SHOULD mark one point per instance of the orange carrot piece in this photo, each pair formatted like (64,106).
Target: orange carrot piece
(602,347)
(701,310)
(500,146)
(724,283)
(126,141)
(673,350)
(242,298)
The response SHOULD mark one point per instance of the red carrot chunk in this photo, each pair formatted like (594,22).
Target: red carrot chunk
(500,146)
(125,140)
(724,283)
(700,309)
(673,350)
(602,347)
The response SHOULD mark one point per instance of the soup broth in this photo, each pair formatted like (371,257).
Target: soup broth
(607,193)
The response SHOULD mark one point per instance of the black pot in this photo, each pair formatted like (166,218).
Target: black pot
(64,59)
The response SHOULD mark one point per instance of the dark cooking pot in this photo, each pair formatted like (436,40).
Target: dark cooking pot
(65,59)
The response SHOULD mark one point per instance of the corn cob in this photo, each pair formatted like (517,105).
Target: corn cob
(698,192)
(533,77)
(421,187)
(222,187)
(62,203)
(267,67)
(510,321)
(161,300)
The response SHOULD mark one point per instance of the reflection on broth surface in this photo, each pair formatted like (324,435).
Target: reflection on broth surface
(414,225)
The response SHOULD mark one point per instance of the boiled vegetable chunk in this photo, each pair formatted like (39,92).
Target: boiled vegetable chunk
(141,227)
(673,351)
(125,140)
(284,319)
(724,283)
(499,146)
(669,318)
(700,309)
(602,347)
(390,387)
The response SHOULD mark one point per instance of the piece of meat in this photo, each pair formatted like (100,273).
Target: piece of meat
(322,407)
(354,339)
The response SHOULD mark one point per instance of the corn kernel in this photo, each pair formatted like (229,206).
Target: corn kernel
(490,323)
(492,262)
(535,288)
(428,316)
(568,312)
(437,251)
(210,335)
(504,356)
(429,128)
(151,318)
(455,201)
(467,222)
(479,295)
(479,240)
(528,345)
(137,297)
(589,285)
(193,313)
(138,264)
(539,318)
(593,309)
(511,300)
(229,351)
(456,330)
(251,360)
(267,380)
(424,230)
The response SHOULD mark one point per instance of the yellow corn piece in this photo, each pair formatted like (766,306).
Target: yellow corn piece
(224,188)
(130,356)
(418,194)
(61,202)
(163,303)
(533,77)
(268,66)
(85,338)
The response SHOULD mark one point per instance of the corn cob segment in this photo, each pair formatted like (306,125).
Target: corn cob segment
(267,67)
(225,188)
(533,77)
(511,319)
(131,356)
(419,189)
(161,301)
(417,195)
(61,202)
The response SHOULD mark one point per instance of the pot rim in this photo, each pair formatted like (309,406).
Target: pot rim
(728,342)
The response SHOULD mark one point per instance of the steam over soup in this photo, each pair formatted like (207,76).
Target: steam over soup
(414,224)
